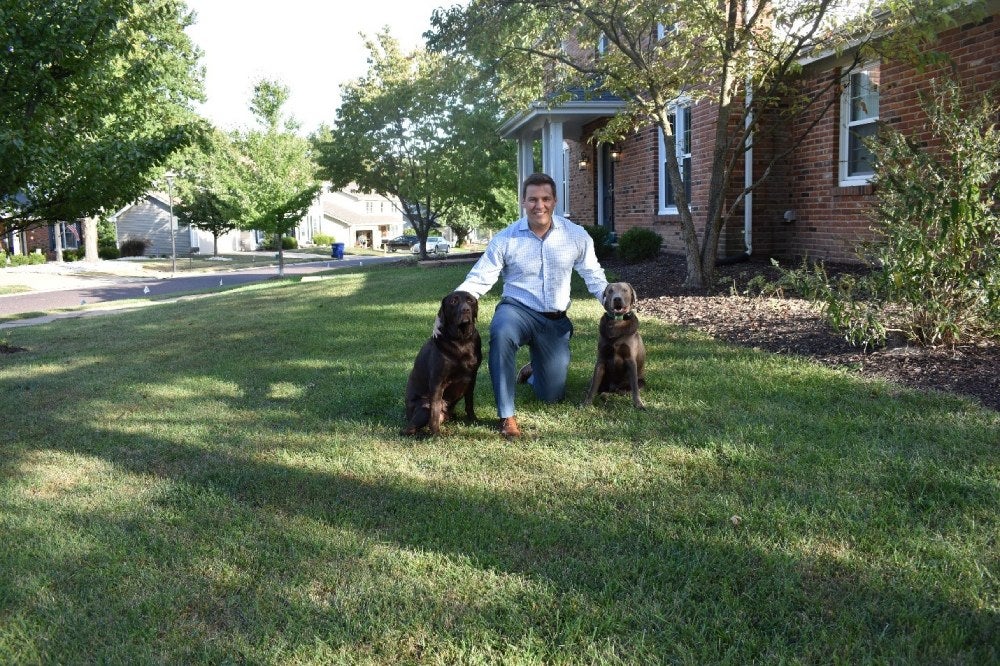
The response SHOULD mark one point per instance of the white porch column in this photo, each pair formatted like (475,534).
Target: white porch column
(525,158)
(552,157)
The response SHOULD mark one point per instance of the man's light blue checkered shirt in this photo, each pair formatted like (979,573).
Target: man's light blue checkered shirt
(536,272)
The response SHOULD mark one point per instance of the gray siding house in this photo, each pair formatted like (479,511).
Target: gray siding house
(149,219)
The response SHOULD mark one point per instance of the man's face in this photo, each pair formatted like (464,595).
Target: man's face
(539,202)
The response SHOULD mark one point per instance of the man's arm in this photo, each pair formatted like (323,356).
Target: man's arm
(485,272)
(590,269)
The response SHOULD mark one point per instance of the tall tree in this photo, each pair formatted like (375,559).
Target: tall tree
(419,127)
(94,94)
(273,181)
(739,55)
(207,198)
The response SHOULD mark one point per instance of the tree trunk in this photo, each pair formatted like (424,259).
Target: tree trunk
(58,227)
(281,254)
(215,244)
(90,240)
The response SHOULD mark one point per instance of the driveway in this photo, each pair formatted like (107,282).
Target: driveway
(78,285)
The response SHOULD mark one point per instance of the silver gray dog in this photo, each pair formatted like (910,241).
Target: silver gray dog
(621,354)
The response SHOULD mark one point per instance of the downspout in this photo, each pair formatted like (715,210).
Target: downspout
(748,176)
(747,184)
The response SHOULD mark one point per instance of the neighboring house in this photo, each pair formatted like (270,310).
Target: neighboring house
(351,217)
(41,238)
(149,219)
(814,204)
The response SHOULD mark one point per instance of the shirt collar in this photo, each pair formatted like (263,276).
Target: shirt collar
(557,223)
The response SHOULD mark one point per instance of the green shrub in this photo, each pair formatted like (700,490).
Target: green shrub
(108,252)
(935,270)
(937,222)
(287,243)
(27,259)
(74,254)
(639,244)
(107,235)
(322,239)
(602,240)
(133,247)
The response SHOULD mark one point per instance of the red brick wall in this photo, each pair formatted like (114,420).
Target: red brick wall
(831,220)
(582,198)
(39,238)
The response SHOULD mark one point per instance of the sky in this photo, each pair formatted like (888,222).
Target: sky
(311,46)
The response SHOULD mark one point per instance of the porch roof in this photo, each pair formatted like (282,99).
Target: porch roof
(573,115)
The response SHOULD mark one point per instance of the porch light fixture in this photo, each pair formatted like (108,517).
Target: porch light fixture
(584,163)
(616,153)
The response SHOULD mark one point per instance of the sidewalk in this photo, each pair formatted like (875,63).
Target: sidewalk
(56,291)
(54,276)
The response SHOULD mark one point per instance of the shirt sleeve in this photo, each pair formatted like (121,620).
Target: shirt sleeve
(590,269)
(486,271)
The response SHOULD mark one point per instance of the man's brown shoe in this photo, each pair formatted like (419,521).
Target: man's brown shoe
(509,429)
(524,373)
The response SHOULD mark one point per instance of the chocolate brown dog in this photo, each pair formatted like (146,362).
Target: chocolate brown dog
(446,366)
(621,355)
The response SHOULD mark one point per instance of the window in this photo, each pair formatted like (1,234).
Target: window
(858,121)
(602,44)
(69,233)
(665,29)
(680,123)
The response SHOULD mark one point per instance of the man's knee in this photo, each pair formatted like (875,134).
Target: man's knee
(550,389)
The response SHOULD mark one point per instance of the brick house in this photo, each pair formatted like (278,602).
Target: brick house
(814,204)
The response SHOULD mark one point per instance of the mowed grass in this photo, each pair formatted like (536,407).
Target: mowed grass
(222,480)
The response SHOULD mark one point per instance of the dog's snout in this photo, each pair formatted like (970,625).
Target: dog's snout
(618,302)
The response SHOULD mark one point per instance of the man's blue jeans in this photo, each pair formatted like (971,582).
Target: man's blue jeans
(514,326)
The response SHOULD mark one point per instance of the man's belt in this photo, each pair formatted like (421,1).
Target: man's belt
(559,314)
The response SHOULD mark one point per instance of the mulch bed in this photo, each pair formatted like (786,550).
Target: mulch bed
(794,326)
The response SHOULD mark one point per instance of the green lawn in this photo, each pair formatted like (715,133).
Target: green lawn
(221,480)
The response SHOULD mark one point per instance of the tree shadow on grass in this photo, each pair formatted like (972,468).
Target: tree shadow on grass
(657,591)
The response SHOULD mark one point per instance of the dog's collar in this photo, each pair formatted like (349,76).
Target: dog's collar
(618,317)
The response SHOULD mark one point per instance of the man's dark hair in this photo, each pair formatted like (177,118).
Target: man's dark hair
(538,179)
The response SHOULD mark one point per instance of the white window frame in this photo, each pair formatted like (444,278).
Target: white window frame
(602,44)
(847,125)
(564,185)
(662,30)
(679,130)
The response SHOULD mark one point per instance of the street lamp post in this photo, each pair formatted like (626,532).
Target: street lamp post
(173,241)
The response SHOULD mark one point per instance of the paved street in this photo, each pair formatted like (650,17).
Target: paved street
(57,287)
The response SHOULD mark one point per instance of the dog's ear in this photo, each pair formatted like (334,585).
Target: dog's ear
(635,296)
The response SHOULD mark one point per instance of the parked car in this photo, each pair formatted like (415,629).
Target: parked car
(435,245)
(400,243)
